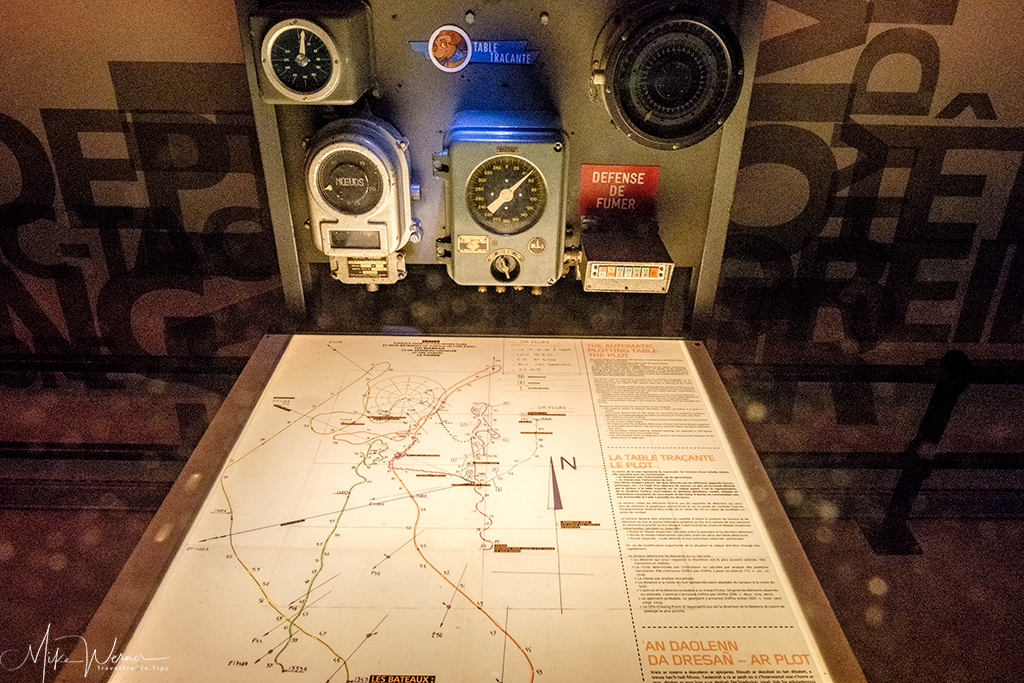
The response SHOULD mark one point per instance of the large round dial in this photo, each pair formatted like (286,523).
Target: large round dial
(299,58)
(350,182)
(506,194)
(672,81)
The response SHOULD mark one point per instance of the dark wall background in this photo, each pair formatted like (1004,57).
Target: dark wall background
(877,226)
(877,215)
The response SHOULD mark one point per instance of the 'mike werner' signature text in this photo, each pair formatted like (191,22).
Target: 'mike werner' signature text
(42,655)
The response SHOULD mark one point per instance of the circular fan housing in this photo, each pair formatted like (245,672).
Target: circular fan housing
(671,80)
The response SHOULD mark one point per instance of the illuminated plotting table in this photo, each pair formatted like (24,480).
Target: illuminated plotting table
(370,509)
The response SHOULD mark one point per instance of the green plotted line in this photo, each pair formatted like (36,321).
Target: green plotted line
(374,456)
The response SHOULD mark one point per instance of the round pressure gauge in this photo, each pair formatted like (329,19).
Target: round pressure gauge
(300,59)
(506,194)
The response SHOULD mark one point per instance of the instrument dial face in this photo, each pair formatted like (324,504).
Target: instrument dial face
(674,81)
(506,194)
(350,182)
(299,57)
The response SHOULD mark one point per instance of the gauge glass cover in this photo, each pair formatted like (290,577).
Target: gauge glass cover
(674,80)
(506,194)
(350,182)
(301,60)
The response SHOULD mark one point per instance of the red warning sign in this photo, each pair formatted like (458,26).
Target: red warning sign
(616,190)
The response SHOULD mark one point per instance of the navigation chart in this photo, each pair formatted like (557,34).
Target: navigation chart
(488,510)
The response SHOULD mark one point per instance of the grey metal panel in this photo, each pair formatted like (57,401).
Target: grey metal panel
(725,176)
(294,273)
(695,183)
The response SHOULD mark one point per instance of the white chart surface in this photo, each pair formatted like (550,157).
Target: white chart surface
(476,510)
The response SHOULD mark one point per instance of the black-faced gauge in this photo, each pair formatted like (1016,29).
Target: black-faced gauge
(505,180)
(349,181)
(506,194)
(300,60)
(669,78)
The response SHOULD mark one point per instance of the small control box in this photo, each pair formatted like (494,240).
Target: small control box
(624,258)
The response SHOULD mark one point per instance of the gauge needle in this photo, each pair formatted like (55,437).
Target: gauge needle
(506,194)
(301,59)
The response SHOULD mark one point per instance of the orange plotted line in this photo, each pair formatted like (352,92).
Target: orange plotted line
(361,437)
(416,545)
(413,431)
